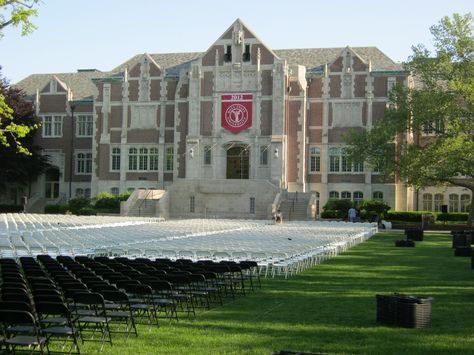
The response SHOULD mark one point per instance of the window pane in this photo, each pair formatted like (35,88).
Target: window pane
(346,195)
(427,202)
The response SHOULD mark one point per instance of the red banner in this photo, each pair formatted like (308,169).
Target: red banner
(236,112)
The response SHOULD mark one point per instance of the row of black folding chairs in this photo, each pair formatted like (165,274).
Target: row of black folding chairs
(31,325)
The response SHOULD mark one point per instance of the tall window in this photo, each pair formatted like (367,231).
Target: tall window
(438,202)
(207,155)
(333,195)
(339,161)
(345,195)
(192,207)
(264,155)
(143,159)
(154,159)
(114,191)
(79,192)
(377,195)
(314,159)
(84,126)
(87,193)
(133,159)
(346,164)
(427,202)
(169,158)
(334,159)
(115,158)
(453,203)
(433,127)
(84,163)
(252,205)
(358,196)
(52,126)
(465,200)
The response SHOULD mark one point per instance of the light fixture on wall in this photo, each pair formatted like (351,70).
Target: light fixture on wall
(191,152)
(275,153)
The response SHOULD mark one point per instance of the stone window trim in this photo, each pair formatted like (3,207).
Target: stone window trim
(52,126)
(142,158)
(83,162)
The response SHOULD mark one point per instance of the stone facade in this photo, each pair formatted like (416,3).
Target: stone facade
(223,131)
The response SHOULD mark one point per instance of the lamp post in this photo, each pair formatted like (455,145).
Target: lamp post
(72,106)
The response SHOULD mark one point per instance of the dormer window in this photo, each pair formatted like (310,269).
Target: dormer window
(228,54)
(246,54)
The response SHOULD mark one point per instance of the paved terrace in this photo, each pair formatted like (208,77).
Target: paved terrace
(286,248)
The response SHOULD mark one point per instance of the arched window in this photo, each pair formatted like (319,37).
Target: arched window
(358,196)
(377,195)
(345,195)
(438,202)
(114,191)
(453,203)
(427,202)
(79,192)
(333,195)
(465,201)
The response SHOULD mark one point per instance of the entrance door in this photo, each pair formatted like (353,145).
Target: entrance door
(51,188)
(237,163)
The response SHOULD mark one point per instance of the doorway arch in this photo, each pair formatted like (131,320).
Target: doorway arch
(238,161)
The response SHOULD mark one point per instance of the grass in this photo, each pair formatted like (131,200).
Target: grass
(331,308)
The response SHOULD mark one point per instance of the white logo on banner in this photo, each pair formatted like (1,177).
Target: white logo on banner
(236,115)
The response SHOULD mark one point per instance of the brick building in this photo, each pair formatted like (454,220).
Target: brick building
(232,132)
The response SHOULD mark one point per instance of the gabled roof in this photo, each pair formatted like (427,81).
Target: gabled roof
(317,57)
(82,87)
(79,83)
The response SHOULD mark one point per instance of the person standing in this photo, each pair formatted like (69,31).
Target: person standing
(352,214)
(24,201)
(278,217)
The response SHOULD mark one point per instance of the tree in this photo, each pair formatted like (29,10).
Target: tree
(18,13)
(14,13)
(19,168)
(441,102)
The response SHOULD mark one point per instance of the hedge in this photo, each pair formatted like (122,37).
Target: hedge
(452,217)
(11,208)
(406,216)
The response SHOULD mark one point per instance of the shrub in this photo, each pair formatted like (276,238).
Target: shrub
(87,211)
(406,216)
(10,208)
(75,204)
(338,208)
(330,214)
(453,217)
(52,209)
(107,202)
(371,208)
(124,196)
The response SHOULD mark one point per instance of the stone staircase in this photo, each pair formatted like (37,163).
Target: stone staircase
(295,209)
(143,203)
(143,208)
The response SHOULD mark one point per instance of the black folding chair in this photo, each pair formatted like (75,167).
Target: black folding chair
(119,311)
(57,324)
(95,322)
(34,340)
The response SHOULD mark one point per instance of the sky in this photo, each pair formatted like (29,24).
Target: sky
(102,34)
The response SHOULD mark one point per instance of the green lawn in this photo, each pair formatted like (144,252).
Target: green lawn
(331,308)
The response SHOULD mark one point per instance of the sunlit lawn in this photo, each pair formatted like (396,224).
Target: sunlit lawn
(331,308)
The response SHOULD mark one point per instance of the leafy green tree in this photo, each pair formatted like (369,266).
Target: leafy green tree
(440,101)
(17,167)
(18,13)
(15,13)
